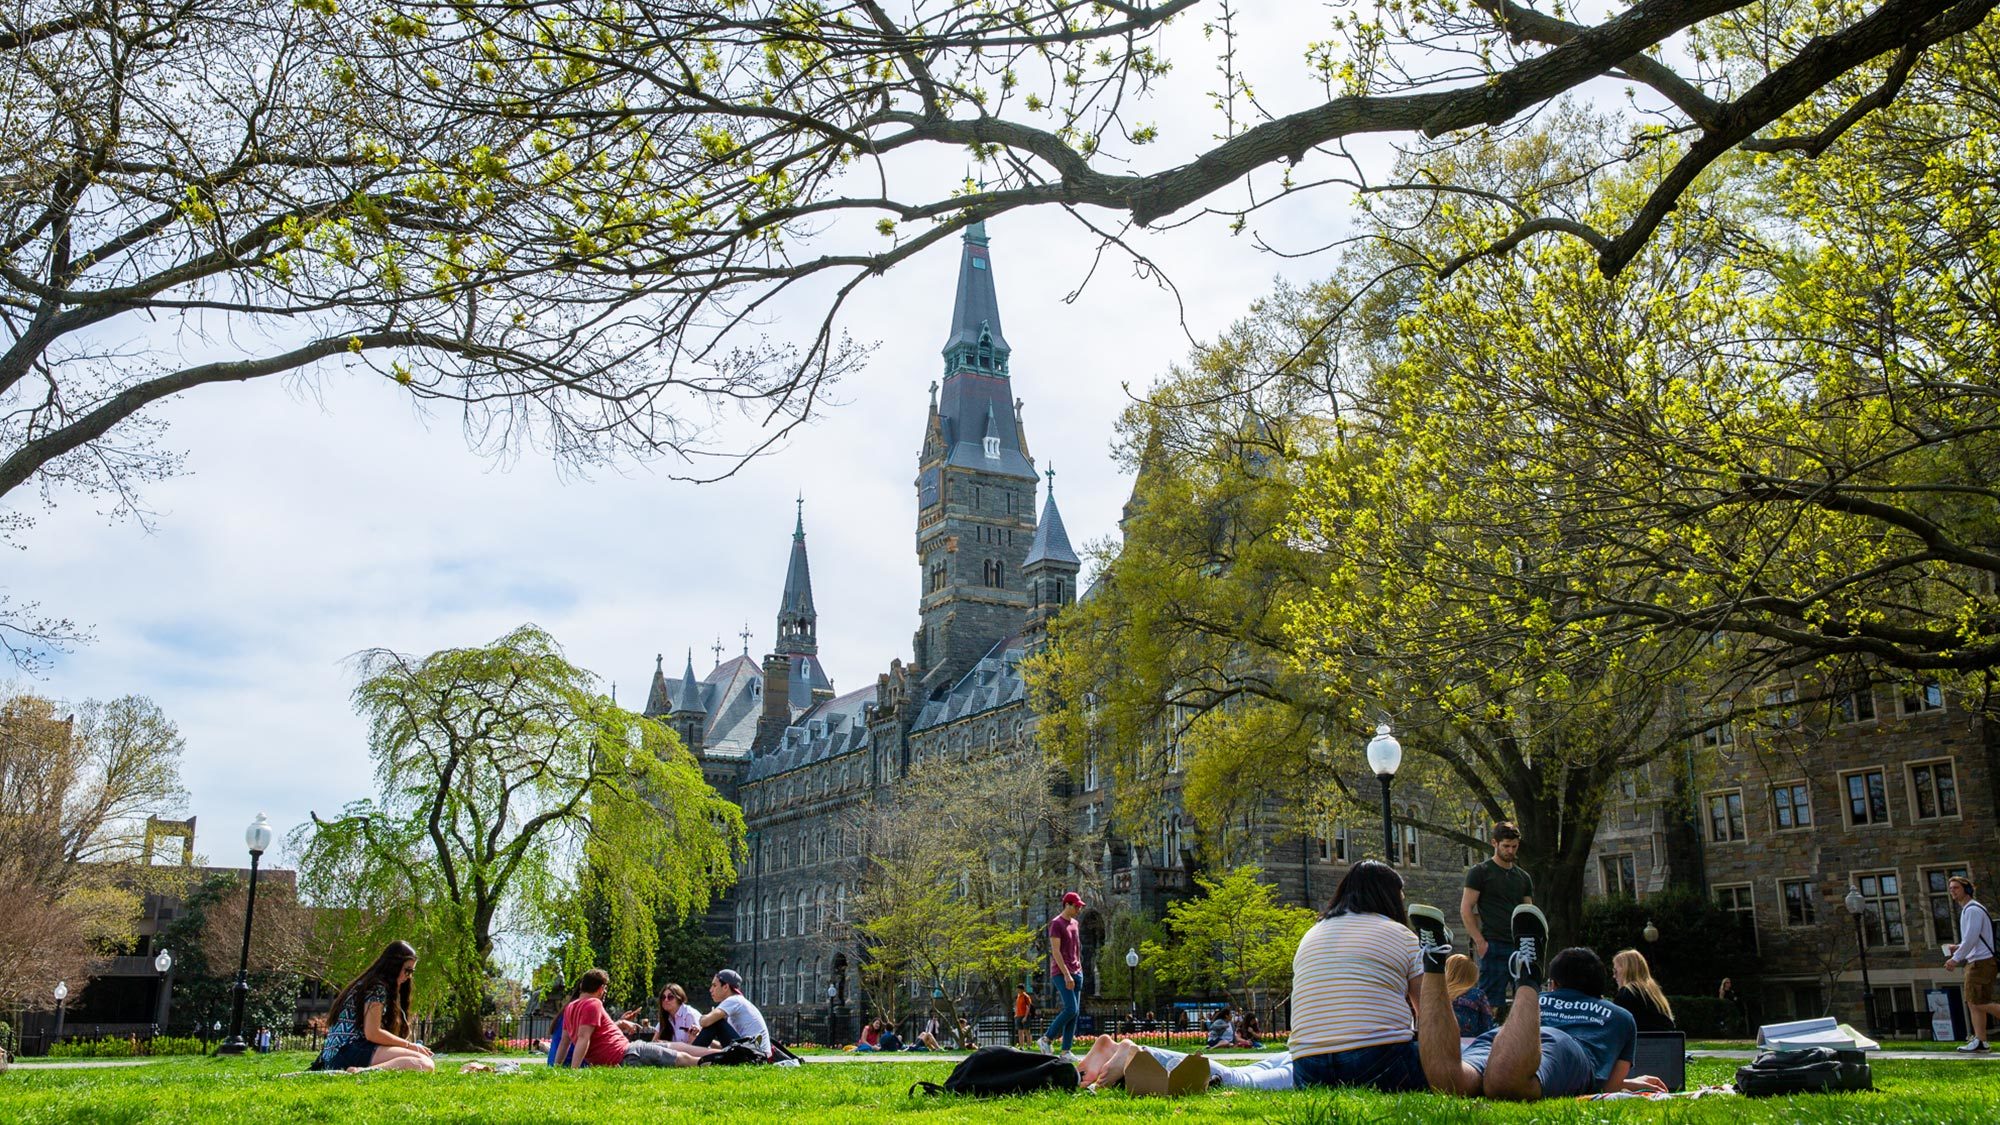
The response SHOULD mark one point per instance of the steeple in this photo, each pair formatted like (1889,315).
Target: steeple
(975,343)
(659,699)
(690,701)
(1051,539)
(1050,569)
(798,624)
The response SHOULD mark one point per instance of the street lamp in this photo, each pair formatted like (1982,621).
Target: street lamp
(165,964)
(1858,906)
(1384,755)
(1651,933)
(831,993)
(62,1001)
(1132,977)
(258,838)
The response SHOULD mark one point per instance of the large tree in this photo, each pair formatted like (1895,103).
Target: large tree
(512,792)
(1235,938)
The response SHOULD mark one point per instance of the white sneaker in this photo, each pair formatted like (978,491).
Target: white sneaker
(1067,1057)
(1042,1046)
(1974,1047)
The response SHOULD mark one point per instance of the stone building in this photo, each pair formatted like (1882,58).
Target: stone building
(809,764)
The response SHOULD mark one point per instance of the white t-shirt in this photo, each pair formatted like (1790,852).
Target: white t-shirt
(684,1026)
(1350,985)
(1975,927)
(748,1022)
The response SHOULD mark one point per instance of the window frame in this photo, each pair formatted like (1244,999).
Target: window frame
(1854,879)
(1791,787)
(1739,821)
(1749,911)
(1846,711)
(1922,692)
(1924,889)
(1910,782)
(1810,898)
(1628,865)
(1847,802)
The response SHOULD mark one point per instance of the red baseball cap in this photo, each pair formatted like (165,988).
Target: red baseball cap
(1071,898)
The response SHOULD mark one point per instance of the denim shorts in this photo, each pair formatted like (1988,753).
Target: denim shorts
(358,1052)
(1566,1069)
(1391,1067)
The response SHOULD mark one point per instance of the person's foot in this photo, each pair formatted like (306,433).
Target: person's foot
(1092,1063)
(1433,936)
(1042,1046)
(1531,939)
(1974,1047)
(1113,1071)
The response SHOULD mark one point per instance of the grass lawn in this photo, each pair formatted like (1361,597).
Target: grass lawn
(203,1090)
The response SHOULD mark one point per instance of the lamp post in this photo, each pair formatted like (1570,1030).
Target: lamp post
(1858,906)
(831,993)
(62,1002)
(1385,754)
(258,838)
(1132,980)
(756,905)
(1651,933)
(165,964)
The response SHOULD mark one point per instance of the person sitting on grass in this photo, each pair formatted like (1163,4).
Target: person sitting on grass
(678,1022)
(733,1020)
(371,1016)
(1468,1002)
(1354,979)
(871,1036)
(1561,1043)
(590,1035)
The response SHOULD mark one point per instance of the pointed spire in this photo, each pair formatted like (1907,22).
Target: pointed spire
(799,529)
(1051,540)
(976,343)
(659,698)
(690,702)
(797,620)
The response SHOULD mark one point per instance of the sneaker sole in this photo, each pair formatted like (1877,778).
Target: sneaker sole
(1434,914)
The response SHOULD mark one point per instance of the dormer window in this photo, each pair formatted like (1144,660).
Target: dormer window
(992,448)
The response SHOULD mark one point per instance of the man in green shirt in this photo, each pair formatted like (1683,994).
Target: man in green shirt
(1493,888)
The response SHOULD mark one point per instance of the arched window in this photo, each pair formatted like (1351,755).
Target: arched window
(784,980)
(840,902)
(764,911)
(785,914)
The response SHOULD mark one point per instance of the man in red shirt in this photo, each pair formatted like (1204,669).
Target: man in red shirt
(1066,961)
(590,1035)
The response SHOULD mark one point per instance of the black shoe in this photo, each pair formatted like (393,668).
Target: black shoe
(1433,936)
(1531,941)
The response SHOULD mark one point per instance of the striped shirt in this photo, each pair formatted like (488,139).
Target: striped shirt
(1350,985)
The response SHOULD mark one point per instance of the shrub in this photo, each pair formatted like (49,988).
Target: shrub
(1700,943)
(113,1047)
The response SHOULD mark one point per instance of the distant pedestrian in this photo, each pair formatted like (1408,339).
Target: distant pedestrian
(1639,993)
(1066,963)
(1493,888)
(1974,950)
(1024,1011)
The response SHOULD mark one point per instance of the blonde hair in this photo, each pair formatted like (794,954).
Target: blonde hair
(1460,977)
(1630,965)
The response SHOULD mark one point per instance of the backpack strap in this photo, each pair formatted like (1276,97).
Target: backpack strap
(930,1088)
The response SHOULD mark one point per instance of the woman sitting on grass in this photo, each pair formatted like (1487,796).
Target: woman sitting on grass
(1639,993)
(371,1016)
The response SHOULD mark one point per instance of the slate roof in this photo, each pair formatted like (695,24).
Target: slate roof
(798,596)
(993,682)
(968,403)
(1051,540)
(806,675)
(689,697)
(976,307)
(836,727)
(734,705)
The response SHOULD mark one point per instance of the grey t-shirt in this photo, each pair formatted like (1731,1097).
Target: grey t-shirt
(1501,889)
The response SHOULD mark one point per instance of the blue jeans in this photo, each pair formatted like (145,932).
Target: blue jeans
(1069,997)
(1391,1068)
(1494,975)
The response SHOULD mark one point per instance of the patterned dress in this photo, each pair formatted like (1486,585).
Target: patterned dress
(346,1028)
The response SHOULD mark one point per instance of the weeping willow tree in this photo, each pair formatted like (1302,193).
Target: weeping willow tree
(510,792)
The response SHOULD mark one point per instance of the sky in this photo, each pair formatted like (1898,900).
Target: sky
(318,518)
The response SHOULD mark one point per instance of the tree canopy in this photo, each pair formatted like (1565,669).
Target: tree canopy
(513,796)
(1234,937)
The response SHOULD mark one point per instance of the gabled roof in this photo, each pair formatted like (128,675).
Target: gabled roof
(834,728)
(993,682)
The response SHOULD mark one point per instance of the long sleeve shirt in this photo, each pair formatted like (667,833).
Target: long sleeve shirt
(1975,930)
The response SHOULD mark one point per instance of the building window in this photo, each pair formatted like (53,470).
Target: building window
(1801,902)
(1781,710)
(1718,736)
(1742,906)
(1857,706)
(1343,844)
(1937,896)
(1791,805)
(1620,874)
(1410,854)
(1090,771)
(1628,787)
(1933,790)
(1867,797)
(1323,848)
(1725,817)
(1920,698)
(1882,909)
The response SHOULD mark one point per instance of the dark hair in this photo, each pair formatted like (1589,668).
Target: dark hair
(382,973)
(1505,830)
(1579,969)
(1970,890)
(593,980)
(1370,887)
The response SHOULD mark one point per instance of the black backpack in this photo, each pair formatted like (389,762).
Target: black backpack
(994,1071)
(740,1053)
(1813,1070)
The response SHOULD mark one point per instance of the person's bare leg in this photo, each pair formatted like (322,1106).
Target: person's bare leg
(384,1056)
(406,1062)
(1094,1059)
(1517,1051)
(1437,1041)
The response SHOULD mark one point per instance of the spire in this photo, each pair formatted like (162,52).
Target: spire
(797,620)
(690,702)
(659,700)
(976,343)
(1051,541)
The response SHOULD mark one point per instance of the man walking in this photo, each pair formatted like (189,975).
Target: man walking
(1493,888)
(1024,1010)
(1066,959)
(1974,950)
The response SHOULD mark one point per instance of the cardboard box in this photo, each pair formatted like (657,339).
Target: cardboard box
(1145,1077)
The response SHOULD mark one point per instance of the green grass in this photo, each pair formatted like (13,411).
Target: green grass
(202,1090)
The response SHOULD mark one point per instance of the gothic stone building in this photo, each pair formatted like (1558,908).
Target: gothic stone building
(808,764)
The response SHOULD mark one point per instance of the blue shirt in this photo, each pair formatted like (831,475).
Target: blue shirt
(1606,1030)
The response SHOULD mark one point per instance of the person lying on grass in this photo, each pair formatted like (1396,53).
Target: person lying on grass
(371,1016)
(1558,1043)
(590,1036)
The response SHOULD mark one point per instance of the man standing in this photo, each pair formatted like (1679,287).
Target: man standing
(1493,888)
(1024,1010)
(1066,959)
(1974,950)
